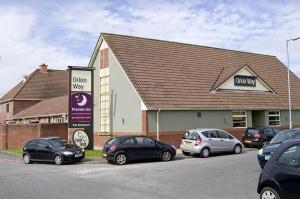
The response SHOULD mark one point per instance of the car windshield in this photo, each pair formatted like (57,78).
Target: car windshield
(56,142)
(283,136)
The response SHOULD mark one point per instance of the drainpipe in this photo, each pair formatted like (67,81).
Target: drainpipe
(157,124)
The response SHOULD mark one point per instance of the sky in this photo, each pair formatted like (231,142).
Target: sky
(62,33)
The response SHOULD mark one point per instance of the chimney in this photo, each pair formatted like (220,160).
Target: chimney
(43,68)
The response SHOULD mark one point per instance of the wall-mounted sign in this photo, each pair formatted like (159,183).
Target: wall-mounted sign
(243,80)
(81,106)
(80,138)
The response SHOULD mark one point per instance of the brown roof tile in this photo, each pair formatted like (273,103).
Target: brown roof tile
(56,105)
(172,75)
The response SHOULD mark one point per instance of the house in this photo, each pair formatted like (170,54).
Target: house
(161,88)
(42,84)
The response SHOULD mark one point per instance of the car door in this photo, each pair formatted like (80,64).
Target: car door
(269,133)
(146,148)
(214,141)
(44,152)
(131,148)
(288,172)
(31,148)
(226,143)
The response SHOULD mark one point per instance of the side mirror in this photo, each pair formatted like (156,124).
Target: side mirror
(47,147)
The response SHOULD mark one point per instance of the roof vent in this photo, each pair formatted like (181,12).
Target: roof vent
(43,68)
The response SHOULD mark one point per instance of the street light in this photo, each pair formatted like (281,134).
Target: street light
(289,84)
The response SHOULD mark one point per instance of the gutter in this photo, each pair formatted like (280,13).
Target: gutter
(157,124)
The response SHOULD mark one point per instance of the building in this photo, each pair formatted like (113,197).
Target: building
(161,88)
(31,95)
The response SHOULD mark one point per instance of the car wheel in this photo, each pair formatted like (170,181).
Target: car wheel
(269,193)
(237,149)
(185,153)
(120,159)
(204,153)
(27,158)
(166,156)
(58,160)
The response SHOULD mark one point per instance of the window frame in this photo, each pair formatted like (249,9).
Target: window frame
(274,115)
(237,116)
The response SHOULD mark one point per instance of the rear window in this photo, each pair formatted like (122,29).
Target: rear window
(186,134)
(253,131)
(111,141)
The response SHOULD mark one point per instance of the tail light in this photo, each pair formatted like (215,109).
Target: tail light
(198,141)
(257,136)
(112,148)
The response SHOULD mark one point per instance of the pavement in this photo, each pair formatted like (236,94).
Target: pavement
(217,177)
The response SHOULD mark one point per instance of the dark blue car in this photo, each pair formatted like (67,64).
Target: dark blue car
(265,153)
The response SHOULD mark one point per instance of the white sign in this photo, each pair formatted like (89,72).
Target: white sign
(81,80)
(81,139)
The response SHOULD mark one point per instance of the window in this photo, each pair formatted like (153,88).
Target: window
(148,141)
(104,58)
(223,135)
(193,136)
(129,141)
(268,132)
(291,157)
(274,118)
(104,104)
(239,119)
(31,145)
(7,108)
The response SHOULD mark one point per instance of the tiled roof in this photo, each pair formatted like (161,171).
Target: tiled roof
(56,105)
(39,86)
(170,75)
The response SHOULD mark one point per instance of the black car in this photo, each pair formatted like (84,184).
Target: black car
(51,149)
(265,153)
(120,150)
(258,137)
(280,178)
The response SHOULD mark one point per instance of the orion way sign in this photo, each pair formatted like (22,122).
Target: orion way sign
(243,80)
(81,106)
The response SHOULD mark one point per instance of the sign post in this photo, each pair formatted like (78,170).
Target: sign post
(80,129)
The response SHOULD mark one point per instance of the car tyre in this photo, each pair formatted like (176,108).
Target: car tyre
(204,153)
(185,153)
(27,158)
(269,193)
(120,159)
(58,160)
(237,149)
(166,156)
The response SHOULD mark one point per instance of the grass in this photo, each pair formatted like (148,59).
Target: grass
(88,153)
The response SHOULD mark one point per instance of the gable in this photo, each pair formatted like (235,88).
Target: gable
(245,80)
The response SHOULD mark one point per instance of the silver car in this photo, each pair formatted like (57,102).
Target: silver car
(207,141)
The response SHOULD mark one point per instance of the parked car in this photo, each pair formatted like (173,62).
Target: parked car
(120,150)
(203,142)
(265,153)
(280,178)
(51,149)
(258,137)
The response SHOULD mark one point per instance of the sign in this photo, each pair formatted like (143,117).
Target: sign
(80,138)
(81,106)
(243,80)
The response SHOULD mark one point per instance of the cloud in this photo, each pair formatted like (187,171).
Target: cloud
(65,33)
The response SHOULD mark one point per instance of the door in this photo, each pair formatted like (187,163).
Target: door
(288,175)
(44,152)
(31,148)
(226,144)
(213,141)
(131,148)
(146,148)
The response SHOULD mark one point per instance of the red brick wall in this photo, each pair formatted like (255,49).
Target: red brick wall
(19,134)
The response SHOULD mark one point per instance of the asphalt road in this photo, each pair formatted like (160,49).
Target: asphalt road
(217,177)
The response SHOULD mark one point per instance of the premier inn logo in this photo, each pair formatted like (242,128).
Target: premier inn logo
(243,80)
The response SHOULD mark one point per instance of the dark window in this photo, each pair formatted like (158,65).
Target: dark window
(185,136)
(58,142)
(276,130)
(268,132)
(222,134)
(205,133)
(7,108)
(129,141)
(148,141)
(290,157)
(139,140)
(193,136)
(213,134)
(31,145)
(42,144)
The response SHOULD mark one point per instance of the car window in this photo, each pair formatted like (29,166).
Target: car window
(276,130)
(205,133)
(185,136)
(42,144)
(222,134)
(139,140)
(31,145)
(268,132)
(290,157)
(149,141)
(213,134)
(130,141)
(193,136)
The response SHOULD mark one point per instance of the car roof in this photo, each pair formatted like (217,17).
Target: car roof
(125,137)
(46,138)
(204,129)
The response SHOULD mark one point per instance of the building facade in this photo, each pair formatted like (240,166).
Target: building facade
(160,89)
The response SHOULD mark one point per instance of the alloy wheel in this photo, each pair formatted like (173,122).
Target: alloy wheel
(26,158)
(268,195)
(205,153)
(237,149)
(58,160)
(121,159)
(166,156)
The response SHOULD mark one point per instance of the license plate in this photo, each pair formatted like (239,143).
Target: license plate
(104,155)
(248,141)
(78,155)
(267,157)
(188,143)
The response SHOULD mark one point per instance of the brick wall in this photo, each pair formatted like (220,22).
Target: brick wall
(16,135)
